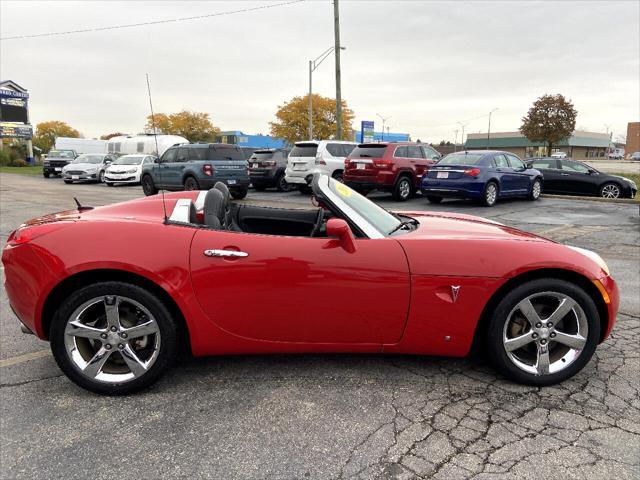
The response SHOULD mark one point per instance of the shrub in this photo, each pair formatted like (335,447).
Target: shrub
(5,158)
(19,162)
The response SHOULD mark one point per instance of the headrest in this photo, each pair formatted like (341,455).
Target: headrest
(214,209)
(223,189)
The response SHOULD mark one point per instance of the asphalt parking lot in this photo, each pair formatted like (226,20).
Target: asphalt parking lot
(332,416)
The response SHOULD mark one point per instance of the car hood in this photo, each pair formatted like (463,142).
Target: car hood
(81,166)
(123,167)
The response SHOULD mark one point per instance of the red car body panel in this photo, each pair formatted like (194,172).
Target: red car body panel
(293,294)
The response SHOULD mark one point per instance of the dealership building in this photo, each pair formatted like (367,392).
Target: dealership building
(580,145)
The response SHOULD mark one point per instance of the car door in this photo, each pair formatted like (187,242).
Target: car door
(551,174)
(522,179)
(506,176)
(167,167)
(577,178)
(418,161)
(401,159)
(302,289)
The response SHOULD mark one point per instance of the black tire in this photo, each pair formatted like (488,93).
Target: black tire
(238,194)
(260,187)
(496,329)
(166,330)
(281,184)
(433,199)
(610,190)
(68,181)
(109,184)
(304,189)
(403,189)
(338,175)
(148,186)
(490,194)
(190,183)
(101,177)
(536,190)
(46,174)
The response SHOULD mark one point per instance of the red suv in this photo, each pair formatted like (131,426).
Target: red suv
(393,167)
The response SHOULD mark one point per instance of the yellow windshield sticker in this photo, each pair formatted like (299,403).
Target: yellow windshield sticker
(343,190)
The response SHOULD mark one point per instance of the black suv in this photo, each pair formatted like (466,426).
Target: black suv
(198,166)
(56,159)
(266,169)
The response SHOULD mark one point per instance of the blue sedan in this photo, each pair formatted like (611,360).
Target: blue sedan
(484,175)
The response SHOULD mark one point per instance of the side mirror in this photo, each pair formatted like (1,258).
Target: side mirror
(156,160)
(338,228)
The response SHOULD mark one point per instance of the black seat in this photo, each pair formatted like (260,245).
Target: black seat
(229,223)
(214,209)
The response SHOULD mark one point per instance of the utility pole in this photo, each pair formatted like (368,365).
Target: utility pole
(489,128)
(462,138)
(384,119)
(336,28)
(455,141)
(310,101)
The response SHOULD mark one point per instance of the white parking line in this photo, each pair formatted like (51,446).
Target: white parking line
(7,362)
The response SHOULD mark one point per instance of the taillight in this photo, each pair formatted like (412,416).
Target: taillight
(320,161)
(346,162)
(383,164)
(471,172)
(207,170)
(26,234)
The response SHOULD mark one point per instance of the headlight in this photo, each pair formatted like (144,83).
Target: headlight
(593,256)
(133,170)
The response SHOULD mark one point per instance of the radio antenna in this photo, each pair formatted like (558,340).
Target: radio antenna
(155,137)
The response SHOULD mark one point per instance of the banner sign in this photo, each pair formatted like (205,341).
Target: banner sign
(12,130)
(366,132)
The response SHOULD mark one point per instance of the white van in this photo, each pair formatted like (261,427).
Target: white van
(143,144)
(316,156)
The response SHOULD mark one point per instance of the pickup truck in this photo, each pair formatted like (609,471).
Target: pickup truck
(56,159)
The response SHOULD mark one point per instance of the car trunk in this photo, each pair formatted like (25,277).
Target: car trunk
(447,172)
(366,160)
(303,157)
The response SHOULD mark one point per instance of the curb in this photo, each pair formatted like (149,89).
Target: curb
(627,201)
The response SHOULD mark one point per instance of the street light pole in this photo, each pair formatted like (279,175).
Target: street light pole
(462,138)
(489,128)
(337,48)
(455,141)
(383,122)
(313,64)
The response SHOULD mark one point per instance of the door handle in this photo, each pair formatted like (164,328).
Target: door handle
(225,253)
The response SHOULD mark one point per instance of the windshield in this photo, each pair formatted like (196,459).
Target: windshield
(262,155)
(129,160)
(304,150)
(61,153)
(368,151)
(89,159)
(378,217)
(461,159)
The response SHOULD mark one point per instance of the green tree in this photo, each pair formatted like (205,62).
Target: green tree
(292,119)
(550,120)
(194,126)
(47,132)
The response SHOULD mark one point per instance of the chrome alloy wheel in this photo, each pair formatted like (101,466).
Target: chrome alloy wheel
(536,189)
(112,339)
(491,194)
(610,190)
(405,188)
(545,333)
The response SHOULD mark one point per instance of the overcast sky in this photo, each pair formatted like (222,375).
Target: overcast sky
(426,64)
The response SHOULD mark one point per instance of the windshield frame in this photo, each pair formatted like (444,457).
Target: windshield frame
(84,158)
(321,188)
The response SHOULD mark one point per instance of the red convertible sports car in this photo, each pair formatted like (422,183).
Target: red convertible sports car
(118,290)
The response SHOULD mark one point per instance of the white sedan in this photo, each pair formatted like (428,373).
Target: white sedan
(126,169)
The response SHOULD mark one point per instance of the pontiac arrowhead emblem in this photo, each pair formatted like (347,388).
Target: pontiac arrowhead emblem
(454,292)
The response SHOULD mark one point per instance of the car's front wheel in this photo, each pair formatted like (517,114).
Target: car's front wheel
(610,190)
(148,186)
(490,194)
(433,199)
(113,338)
(543,332)
(536,190)
(68,181)
(46,174)
(101,177)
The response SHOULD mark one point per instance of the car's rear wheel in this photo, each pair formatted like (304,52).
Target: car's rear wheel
(190,183)
(490,194)
(46,174)
(536,190)
(282,185)
(260,187)
(543,332)
(113,338)
(239,193)
(403,189)
(433,199)
(148,186)
(610,190)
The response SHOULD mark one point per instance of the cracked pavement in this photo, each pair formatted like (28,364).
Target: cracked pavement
(333,416)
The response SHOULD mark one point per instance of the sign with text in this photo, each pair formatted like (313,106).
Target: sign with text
(366,131)
(13,106)
(13,130)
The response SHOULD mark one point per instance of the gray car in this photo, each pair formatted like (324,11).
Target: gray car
(88,167)
(266,169)
(198,166)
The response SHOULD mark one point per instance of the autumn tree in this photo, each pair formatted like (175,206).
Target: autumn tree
(194,126)
(47,132)
(292,119)
(111,135)
(550,120)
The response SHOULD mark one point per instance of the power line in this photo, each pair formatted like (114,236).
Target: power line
(156,22)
